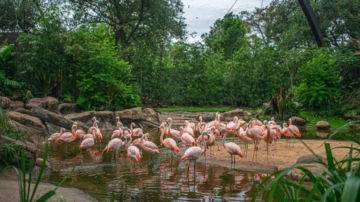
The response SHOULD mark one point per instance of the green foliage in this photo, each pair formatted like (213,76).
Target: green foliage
(103,78)
(24,187)
(340,180)
(8,70)
(319,84)
(313,117)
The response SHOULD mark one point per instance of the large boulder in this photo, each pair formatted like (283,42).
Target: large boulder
(150,115)
(130,115)
(106,118)
(323,125)
(30,125)
(48,103)
(298,121)
(67,108)
(206,116)
(228,116)
(347,116)
(312,158)
(4,102)
(322,133)
(16,104)
(247,113)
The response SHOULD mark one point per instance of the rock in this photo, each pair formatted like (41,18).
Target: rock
(48,103)
(130,115)
(39,162)
(298,121)
(207,117)
(311,159)
(247,113)
(150,115)
(230,115)
(30,125)
(16,104)
(56,119)
(29,147)
(4,102)
(67,108)
(322,133)
(323,125)
(106,119)
(347,116)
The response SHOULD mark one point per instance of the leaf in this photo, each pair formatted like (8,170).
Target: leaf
(351,190)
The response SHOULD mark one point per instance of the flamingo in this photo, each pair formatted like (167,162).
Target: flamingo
(114,145)
(94,124)
(119,132)
(194,153)
(169,143)
(232,148)
(272,121)
(189,128)
(68,137)
(137,141)
(174,134)
(135,131)
(232,125)
(97,130)
(186,138)
(148,146)
(215,122)
(243,124)
(220,126)
(199,124)
(256,135)
(55,136)
(241,133)
(269,136)
(290,131)
(79,133)
(89,141)
(132,151)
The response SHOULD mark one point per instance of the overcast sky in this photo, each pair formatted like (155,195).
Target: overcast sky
(203,13)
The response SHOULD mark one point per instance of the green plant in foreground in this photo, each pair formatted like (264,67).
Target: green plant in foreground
(24,188)
(339,182)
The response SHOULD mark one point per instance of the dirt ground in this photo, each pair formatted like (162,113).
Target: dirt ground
(278,159)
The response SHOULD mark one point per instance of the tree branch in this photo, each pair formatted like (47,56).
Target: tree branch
(138,23)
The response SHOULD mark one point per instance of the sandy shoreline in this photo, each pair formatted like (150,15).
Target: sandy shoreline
(9,190)
(278,159)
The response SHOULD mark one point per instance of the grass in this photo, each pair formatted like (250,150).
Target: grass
(198,109)
(335,122)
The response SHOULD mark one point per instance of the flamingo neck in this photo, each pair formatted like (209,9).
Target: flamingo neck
(169,128)
(224,139)
(162,137)
(204,143)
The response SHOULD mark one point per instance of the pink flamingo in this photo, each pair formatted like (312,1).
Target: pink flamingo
(135,131)
(79,133)
(199,124)
(220,126)
(137,141)
(148,146)
(68,137)
(272,121)
(174,134)
(216,122)
(194,153)
(169,143)
(132,151)
(232,125)
(290,131)
(186,138)
(114,145)
(55,136)
(243,137)
(119,132)
(88,142)
(94,124)
(256,135)
(269,136)
(189,129)
(242,123)
(232,148)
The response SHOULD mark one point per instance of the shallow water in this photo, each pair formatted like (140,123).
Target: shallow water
(155,178)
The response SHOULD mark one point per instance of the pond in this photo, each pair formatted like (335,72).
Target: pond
(155,178)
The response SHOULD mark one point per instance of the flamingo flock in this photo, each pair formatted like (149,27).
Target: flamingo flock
(252,132)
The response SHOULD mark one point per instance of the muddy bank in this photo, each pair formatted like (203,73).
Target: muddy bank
(10,191)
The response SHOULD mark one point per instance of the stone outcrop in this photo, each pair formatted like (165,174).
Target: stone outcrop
(67,108)
(130,115)
(29,147)
(16,104)
(48,103)
(323,125)
(298,121)
(106,119)
(4,102)
(229,116)
(321,133)
(150,115)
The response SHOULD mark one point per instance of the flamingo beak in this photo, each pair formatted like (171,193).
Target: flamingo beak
(138,156)
(299,134)
(241,154)
(222,136)
(228,129)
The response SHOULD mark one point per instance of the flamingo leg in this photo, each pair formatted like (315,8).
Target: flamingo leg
(267,156)
(234,161)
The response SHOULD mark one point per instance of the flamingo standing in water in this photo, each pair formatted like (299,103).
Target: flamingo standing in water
(169,143)
(89,141)
(119,132)
(148,146)
(114,145)
(68,137)
(189,128)
(132,151)
(232,148)
(55,136)
(94,124)
(243,137)
(174,134)
(199,124)
(256,135)
(194,153)
(97,130)
(186,138)
(135,131)
(79,133)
